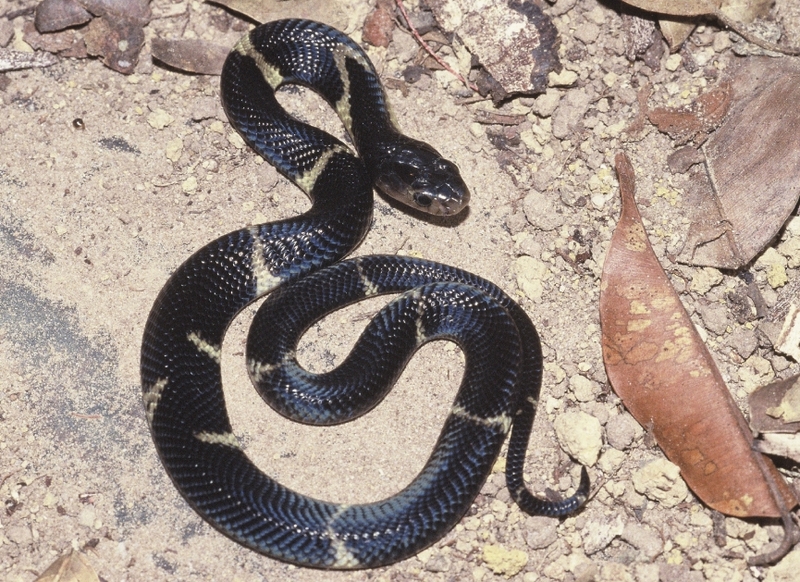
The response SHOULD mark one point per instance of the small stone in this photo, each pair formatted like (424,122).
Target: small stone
(174,149)
(613,572)
(644,539)
(570,112)
(530,275)
(722,41)
(565,78)
(646,572)
(540,210)
(611,460)
(704,279)
(189,185)
(159,119)
(597,535)
(791,250)
(87,516)
(502,561)
(621,430)
(540,531)
(585,390)
(580,435)
(673,62)
(544,105)
(715,317)
(744,341)
(661,481)
(587,32)
(438,563)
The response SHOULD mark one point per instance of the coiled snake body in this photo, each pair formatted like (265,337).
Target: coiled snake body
(180,366)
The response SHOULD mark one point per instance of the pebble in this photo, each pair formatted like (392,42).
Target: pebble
(621,430)
(704,279)
(502,561)
(597,535)
(580,435)
(540,210)
(661,481)
(545,104)
(715,317)
(565,78)
(585,390)
(540,531)
(587,32)
(570,111)
(530,273)
(159,119)
(643,539)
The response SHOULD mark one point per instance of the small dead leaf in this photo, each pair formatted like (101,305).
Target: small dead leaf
(677,7)
(71,567)
(192,55)
(697,120)
(52,15)
(66,43)
(118,40)
(675,32)
(753,168)
(668,380)
(780,445)
(776,407)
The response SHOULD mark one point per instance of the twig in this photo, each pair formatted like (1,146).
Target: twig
(791,533)
(429,50)
(752,38)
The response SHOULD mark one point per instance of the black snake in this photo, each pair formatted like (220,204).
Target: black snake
(181,381)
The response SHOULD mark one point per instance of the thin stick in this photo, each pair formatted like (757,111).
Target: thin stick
(749,37)
(429,50)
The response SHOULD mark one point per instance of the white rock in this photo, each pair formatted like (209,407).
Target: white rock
(580,435)
(661,481)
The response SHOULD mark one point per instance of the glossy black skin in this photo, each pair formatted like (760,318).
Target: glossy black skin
(181,377)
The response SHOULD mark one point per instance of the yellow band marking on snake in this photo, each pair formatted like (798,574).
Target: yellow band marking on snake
(307,179)
(204,347)
(501,420)
(271,74)
(370,288)
(152,397)
(219,438)
(265,280)
(344,557)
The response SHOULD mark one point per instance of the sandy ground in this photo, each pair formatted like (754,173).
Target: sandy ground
(93,221)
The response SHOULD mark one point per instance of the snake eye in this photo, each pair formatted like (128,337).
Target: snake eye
(405,172)
(423,200)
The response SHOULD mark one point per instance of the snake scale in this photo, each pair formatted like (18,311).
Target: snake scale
(298,263)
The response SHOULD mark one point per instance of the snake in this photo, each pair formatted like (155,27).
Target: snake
(300,265)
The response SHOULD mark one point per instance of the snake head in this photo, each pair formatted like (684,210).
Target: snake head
(417,175)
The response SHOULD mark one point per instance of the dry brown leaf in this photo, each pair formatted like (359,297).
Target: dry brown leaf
(776,407)
(666,377)
(675,32)
(677,7)
(71,567)
(695,121)
(753,169)
(193,55)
